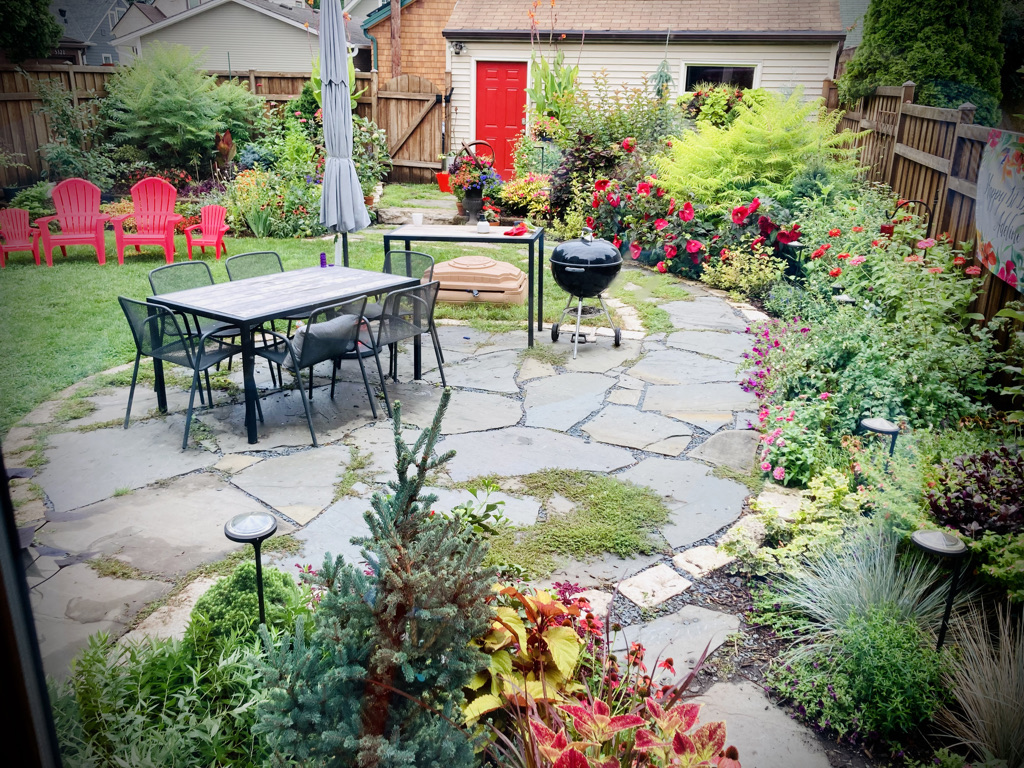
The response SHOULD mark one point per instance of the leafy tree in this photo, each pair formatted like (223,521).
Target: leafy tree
(166,105)
(28,30)
(949,48)
(379,682)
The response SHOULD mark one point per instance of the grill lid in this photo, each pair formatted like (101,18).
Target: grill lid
(586,251)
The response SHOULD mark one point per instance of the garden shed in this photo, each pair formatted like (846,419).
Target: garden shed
(752,43)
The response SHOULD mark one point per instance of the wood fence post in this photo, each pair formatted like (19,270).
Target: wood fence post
(252,81)
(967,111)
(908,92)
(374,115)
(897,133)
(944,214)
(73,84)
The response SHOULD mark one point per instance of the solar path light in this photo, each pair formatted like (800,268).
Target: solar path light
(882,427)
(253,528)
(943,545)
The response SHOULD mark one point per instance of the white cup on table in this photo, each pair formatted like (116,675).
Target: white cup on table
(417,219)
(483,227)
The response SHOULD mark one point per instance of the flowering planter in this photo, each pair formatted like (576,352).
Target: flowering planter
(444,182)
(473,203)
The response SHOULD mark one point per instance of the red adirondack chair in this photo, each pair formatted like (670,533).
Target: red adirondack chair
(17,233)
(78,214)
(154,216)
(212,227)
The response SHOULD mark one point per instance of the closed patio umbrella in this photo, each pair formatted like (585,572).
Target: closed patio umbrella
(341,204)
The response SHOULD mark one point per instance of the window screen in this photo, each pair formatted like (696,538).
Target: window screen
(742,77)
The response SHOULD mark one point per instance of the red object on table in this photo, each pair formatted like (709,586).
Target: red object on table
(18,234)
(213,229)
(78,214)
(153,200)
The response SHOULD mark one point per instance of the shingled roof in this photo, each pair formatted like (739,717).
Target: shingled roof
(707,20)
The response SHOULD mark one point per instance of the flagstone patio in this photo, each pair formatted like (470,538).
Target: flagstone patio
(662,412)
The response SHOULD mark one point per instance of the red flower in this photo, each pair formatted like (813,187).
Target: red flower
(754,205)
(693,246)
(739,215)
(667,663)
(634,249)
(601,184)
(671,206)
(643,188)
(756,242)
(959,261)
(617,241)
(936,270)
(842,256)
(629,144)
(670,251)
(686,212)
(767,226)
(835,272)
(614,200)
(590,221)
(973,271)
(596,201)
(785,238)
(660,224)
(659,192)
(662,268)
(835,232)
(858,229)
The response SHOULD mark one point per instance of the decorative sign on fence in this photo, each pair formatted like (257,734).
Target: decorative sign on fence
(999,216)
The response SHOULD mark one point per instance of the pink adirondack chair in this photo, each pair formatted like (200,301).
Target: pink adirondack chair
(78,214)
(154,216)
(17,234)
(212,227)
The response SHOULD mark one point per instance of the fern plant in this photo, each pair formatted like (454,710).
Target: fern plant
(771,142)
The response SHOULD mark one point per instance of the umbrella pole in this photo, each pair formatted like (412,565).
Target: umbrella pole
(344,248)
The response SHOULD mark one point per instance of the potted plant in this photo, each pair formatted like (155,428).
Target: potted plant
(491,212)
(471,174)
(443,176)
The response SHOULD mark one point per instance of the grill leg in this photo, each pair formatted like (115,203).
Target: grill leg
(576,338)
(607,313)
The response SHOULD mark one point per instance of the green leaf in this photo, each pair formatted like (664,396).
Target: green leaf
(501,663)
(564,645)
(481,706)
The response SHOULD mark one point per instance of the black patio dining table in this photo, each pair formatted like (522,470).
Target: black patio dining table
(247,304)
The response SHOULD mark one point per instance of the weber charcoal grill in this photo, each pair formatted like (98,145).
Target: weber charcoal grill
(584,268)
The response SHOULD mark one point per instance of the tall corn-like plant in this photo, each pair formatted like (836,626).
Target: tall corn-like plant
(380,681)
(766,147)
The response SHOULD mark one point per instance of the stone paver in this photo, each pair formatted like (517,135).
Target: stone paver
(623,396)
(377,442)
(86,467)
(654,586)
(170,620)
(77,603)
(168,529)
(622,425)
(785,501)
(700,561)
(764,735)
(235,462)
(331,532)
(704,313)
(725,346)
(733,448)
(680,636)
(709,406)
(558,402)
(299,485)
(18,438)
(676,366)
(607,570)
(492,371)
(535,369)
(467,411)
(599,601)
(699,502)
(522,450)
(600,357)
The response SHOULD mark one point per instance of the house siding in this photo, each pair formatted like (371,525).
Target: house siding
(780,67)
(254,40)
(423,46)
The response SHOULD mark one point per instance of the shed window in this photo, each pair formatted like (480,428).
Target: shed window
(108,58)
(724,74)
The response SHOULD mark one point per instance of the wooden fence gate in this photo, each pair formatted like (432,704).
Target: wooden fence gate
(410,109)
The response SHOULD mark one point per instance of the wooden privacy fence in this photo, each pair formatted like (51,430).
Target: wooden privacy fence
(23,129)
(928,154)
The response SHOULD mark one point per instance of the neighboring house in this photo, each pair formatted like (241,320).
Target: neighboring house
(265,35)
(771,45)
(358,10)
(90,22)
(424,49)
(852,13)
(139,16)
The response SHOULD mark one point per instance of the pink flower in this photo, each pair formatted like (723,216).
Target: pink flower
(686,212)
(925,244)
(766,466)
(629,144)
(959,261)
(617,241)
(779,473)
(601,184)
(661,267)
(660,224)
(824,395)
(857,260)
(693,246)
(973,271)
(634,249)
(643,188)
(739,214)
(936,270)
(912,259)
(754,205)
(670,250)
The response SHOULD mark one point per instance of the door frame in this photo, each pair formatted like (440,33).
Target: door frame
(505,58)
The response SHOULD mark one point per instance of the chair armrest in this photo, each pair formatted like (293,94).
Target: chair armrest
(224,229)
(193,228)
(101,216)
(121,218)
(45,220)
(175,217)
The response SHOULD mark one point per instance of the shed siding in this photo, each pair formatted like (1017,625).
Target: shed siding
(781,67)
(254,40)
(423,46)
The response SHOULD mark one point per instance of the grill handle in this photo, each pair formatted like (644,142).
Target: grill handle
(574,269)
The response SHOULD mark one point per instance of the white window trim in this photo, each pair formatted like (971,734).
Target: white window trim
(107,58)
(510,58)
(721,63)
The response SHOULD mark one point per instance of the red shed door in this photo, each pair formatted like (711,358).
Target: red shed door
(500,108)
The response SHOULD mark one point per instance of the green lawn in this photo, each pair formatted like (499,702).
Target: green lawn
(64,323)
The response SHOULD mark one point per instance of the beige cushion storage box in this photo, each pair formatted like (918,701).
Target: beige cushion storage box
(470,279)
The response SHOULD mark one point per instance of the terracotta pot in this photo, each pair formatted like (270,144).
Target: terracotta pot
(368,200)
(459,207)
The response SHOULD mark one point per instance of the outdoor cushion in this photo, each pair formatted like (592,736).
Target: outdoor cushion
(337,328)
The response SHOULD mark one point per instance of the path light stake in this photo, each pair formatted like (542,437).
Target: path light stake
(882,427)
(944,545)
(253,528)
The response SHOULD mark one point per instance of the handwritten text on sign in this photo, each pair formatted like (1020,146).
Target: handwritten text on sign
(1000,211)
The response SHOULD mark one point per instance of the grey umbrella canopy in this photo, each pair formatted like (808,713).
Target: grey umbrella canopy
(341,203)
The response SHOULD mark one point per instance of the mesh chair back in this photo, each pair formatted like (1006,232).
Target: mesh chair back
(406,313)
(156,332)
(332,332)
(410,264)
(180,277)
(255,264)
